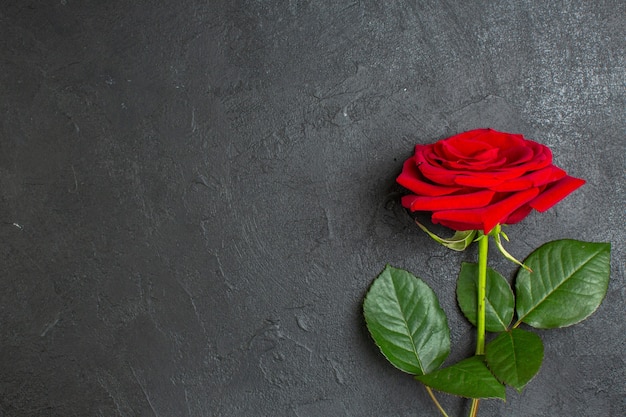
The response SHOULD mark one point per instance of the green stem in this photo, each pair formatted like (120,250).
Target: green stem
(432,396)
(483,248)
(474,410)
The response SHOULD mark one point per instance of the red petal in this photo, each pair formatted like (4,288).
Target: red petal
(429,166)
(534,179)
(487,179)
(412,179)
(458,225)
(407,200)
(518,215)
(489,216)
(556,192)
(518,154)
(449,202)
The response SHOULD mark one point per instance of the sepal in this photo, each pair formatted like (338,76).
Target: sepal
(459,242)
(496,232)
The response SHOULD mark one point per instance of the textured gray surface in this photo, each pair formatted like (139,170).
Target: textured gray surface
(196,196)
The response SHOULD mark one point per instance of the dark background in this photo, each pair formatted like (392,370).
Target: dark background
(195,197)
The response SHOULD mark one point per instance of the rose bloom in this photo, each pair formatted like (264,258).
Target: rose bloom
(481,178)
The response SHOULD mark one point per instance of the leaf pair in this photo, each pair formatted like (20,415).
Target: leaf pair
(515,356)
(512,358)
(410,328)
(568,283)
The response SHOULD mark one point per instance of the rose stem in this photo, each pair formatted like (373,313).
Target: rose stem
(483,248)
(474,410)
(432,396)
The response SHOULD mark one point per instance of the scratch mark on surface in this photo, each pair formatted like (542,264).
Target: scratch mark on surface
(201,180)
(194,125)
(147,296)
(488,97)
(50,326)
(187,403)
(338,372)
(222,273)
(113,397)
(238,250)
(301,322)
(263,332)
(75,190)
(328,224)
(193,305)
(145,393)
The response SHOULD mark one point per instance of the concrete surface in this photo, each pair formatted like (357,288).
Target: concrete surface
(196,195)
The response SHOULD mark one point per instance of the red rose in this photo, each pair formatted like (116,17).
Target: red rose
(481,178)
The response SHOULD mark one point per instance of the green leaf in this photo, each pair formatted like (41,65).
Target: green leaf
(469,378)
(499,297)
(515,357)
(568,284)
(404,318)
(459,242)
